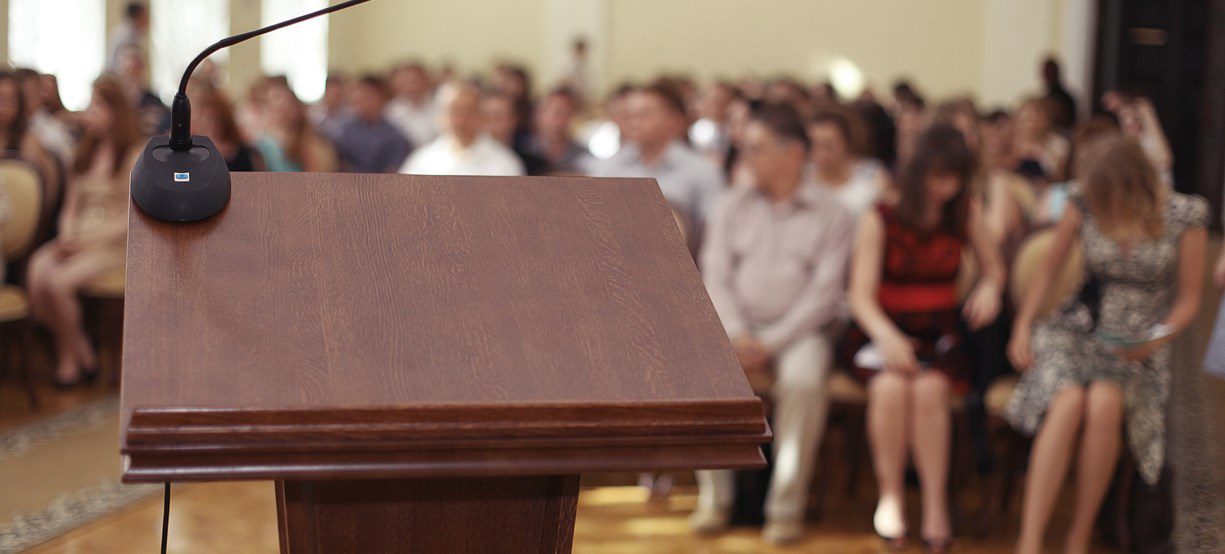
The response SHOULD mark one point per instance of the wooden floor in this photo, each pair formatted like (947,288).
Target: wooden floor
(241,517)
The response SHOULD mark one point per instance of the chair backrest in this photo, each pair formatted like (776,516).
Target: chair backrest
(24,190)
(1029,261)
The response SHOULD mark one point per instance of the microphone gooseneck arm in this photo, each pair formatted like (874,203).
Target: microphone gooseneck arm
(180,111)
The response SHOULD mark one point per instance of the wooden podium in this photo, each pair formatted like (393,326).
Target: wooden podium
(425,364)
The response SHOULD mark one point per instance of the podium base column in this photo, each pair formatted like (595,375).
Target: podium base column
(478,514)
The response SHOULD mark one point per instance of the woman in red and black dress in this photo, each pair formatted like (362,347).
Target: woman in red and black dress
(904,300)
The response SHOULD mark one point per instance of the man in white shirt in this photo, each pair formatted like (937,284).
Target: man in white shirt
(463,149)
(412,109)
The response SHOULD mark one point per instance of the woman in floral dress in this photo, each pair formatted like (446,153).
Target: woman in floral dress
(1101,365)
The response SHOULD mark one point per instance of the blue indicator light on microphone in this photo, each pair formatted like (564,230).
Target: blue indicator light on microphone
(182,177)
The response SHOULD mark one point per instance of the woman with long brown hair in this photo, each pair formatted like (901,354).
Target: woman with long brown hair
(92,228)
(214,118)
(290,142)
(1101,364)
(907,344)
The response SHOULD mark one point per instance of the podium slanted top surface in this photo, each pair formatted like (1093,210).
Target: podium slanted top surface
(345,325)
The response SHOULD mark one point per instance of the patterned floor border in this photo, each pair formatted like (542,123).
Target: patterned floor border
(70,509)
(18,440)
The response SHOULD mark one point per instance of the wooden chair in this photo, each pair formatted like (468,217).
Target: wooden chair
(24,189)
(103,302)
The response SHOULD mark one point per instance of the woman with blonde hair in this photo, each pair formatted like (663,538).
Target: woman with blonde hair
(93,227)
(1101,364)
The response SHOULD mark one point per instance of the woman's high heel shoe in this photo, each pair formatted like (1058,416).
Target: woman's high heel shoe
(892,543)
(937,546)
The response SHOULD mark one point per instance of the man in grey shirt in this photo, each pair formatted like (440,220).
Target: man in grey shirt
(775,263)
(654,125)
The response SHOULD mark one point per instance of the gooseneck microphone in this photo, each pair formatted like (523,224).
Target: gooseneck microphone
(181,177)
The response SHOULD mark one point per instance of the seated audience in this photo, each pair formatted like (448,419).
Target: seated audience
(654,127)
(92,229)
(213,117)
(367,142)
(775,265)
(838,165)
(1037,140)
(334,109)
(907,344)
(290,142)
(412,109)
(133,75)
(463,148)
(553,136)
(1100,366)
(501,121)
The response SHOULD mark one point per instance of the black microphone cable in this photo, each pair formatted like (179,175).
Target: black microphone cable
(165,516)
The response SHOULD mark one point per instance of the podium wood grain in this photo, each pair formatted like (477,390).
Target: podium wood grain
(411,330)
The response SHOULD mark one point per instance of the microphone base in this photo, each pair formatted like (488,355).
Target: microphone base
(180,186)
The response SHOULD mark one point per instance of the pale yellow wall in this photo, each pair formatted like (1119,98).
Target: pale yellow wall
(937,42)
(988,48)
(470,33)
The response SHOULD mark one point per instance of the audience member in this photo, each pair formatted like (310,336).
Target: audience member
(709,134)
(1062,104)
(838,162)
(131,33)
(653,129)
(290,142)
(1037,140)
(92,229)
(368,143)
(334,108)
(998,138)
(909,121)
(16,139)
(213,117)
(413,109)
(553,135)
(514,82)
(252,113)
(577,76)
(907,344)
(1100,367)
(501,121)
(881,138)
(604,137)
(133,74)
(463,148)
(775,265)
(45,115)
